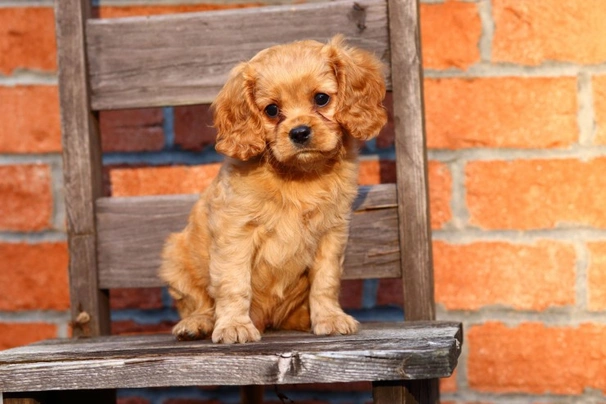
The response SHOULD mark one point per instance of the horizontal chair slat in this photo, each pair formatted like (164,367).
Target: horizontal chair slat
(379,352)
(185,58)
(132,231)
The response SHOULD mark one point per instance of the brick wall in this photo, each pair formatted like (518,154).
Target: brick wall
(515,95)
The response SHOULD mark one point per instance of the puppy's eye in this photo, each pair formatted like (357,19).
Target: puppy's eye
(272,110)
(321,99)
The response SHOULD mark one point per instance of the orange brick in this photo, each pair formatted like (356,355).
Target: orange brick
(162,180)
(30,119)
(533,32)
(25,197)
(596,277)
(450,33)
(33,276)
(599,106)
(515,112)
(449,384)
(440,185)
(130,11)
(534,358)
(132,130)
(536,194)
(525,277)
(17,334)
(27,39)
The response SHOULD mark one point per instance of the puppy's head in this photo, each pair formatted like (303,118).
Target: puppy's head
(297,101)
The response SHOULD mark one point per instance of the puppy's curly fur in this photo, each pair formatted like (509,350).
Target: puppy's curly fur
(264,245)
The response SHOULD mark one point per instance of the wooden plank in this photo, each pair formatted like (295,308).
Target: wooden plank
(379,352)
(133,230)
(82,169)
(185,58)
(411,170)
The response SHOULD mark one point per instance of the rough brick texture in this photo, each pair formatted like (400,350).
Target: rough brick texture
(130,327)
(535,358)
(599,107)
(596,276)
(536,194)
(450,32)
(511,112)
(139,298)
(538,31)
(132,130)
(30,119)
(193,127)
(523,277)
(162,180)
(33,276)
(27,39)
(25,197)
(17,334)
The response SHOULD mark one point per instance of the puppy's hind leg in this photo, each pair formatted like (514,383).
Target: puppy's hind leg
(197,315)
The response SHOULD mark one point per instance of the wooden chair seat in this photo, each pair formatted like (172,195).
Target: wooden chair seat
(380,351)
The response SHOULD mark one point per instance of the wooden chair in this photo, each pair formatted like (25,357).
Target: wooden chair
(115,242)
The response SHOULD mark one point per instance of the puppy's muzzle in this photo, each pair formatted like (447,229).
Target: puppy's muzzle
(300,135)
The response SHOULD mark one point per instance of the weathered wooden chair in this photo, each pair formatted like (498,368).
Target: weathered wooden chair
(115,242)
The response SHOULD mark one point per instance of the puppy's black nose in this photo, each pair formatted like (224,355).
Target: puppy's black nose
(300,134)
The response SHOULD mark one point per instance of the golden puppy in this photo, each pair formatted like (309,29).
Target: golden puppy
(264,244)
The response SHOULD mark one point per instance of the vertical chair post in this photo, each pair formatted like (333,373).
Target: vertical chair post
(82,176)
(413,199)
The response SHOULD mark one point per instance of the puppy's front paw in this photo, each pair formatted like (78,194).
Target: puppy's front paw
(335,324)
(193,327)
(236,331)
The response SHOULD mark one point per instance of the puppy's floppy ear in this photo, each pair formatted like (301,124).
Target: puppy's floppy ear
(361,89)
(240,132)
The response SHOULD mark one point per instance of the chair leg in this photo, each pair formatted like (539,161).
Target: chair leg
(406,392)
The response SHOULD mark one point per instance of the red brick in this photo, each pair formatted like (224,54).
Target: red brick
(390,292)
(30,119)
(536,194)
(17,334)
(136,298)
(130,327)
(190,401)
(25,197)
(599,106)
(356,386)
(440,185)
(387,134)
(194,127)
(351,293)
(524,277)
(450,34)
(129,11)
(162,180)
(33,276)
(132,400)
(132,130)
(513,112)
(533,32)
(534,358)
(596,276)
(27,39)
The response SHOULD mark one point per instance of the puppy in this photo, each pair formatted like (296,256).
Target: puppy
(264,245)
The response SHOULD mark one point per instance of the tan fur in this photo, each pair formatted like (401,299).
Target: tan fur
(264,245)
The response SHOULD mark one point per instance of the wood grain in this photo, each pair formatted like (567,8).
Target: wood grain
(132,231)
(411,171)
(185,58)
(81,168)
(379,352)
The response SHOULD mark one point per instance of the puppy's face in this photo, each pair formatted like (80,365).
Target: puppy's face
(296,102)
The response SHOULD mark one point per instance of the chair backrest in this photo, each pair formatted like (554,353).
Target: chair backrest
(184,59)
